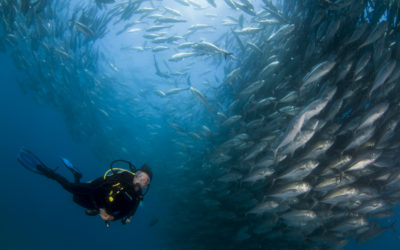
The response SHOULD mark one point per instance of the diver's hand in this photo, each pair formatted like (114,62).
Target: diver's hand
(126,220)
(105,216)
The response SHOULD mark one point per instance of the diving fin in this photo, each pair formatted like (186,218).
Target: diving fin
(77,174)
(31,161)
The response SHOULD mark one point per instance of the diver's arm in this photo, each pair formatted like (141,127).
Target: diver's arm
(117,214)
(128,218)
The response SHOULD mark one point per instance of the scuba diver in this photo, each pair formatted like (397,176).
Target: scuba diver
(114,196)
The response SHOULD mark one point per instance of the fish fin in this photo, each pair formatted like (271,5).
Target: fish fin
(314,177)
(272,183)
(276,102)
(306,195)
(252,166)
(274,151)
(315,202)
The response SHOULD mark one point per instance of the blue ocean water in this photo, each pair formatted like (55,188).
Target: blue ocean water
(38,214)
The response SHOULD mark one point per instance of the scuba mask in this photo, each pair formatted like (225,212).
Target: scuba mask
(132,170)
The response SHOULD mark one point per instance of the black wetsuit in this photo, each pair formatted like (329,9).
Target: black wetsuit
(116,194)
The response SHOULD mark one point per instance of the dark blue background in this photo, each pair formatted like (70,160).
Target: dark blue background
(35,212)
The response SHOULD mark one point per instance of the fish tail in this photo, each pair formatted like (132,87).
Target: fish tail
(275,105)
(315,202)
(274,151)
(272,183)
(392,226)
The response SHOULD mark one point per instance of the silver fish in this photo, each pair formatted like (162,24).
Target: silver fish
(259,175)
(257,149)
(360,137)
(382,75)
(350,224)
(299,171)
(252,88)
(231,120)
(179,56)
(291,132)
(362,62)
(201,98)
(264,207)
(317,72)
(340,195)
(299,218)
(374,114)
(364,160)
(291,190)
(375,34)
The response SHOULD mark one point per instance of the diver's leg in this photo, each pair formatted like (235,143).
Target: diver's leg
(51,174)
(74,188)
(83,193)
(77,174)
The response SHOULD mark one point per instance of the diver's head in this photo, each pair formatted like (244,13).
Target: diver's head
(143,176)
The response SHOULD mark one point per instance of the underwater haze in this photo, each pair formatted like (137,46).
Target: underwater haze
(269,124)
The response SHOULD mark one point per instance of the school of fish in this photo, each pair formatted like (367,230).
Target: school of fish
(287,139)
